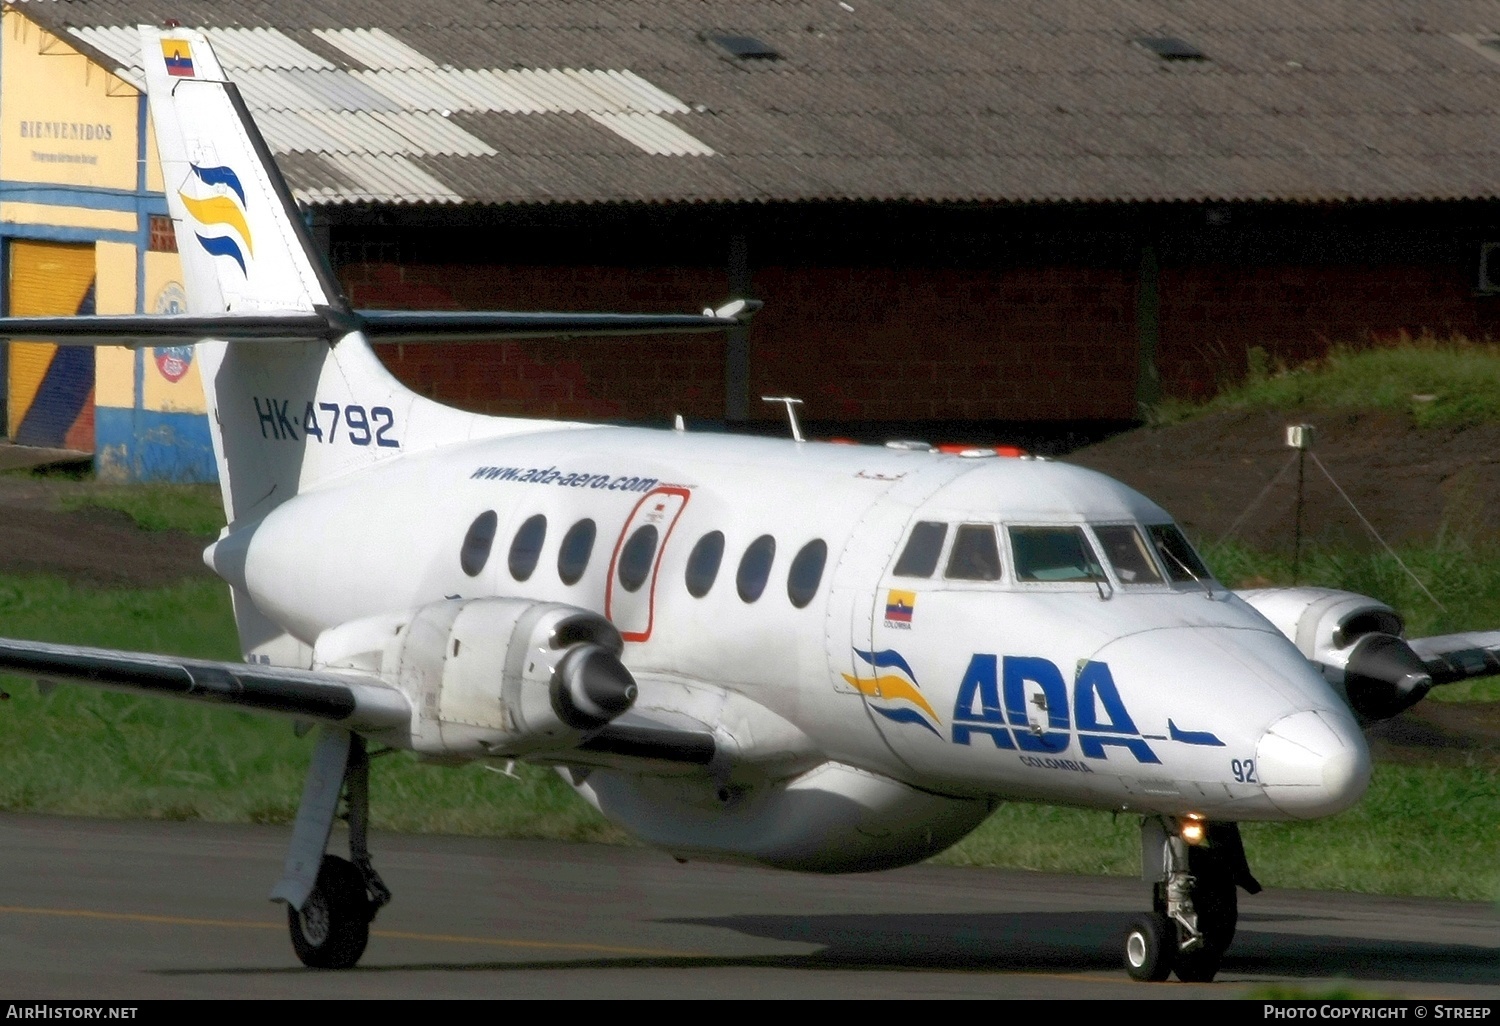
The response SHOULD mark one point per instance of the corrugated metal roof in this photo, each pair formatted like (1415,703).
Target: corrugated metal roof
(376,49)
(963,100)
(377,178)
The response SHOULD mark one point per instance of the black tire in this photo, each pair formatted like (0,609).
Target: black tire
(1217,904)
(1150,946)
(333,926)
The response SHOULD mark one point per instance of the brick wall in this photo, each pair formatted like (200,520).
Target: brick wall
(855,343)
(945,344)
(640,377)
(1211,315)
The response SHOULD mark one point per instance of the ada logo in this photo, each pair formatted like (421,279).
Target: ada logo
(895,694)
(1021,704)
(219,205)
(997,696)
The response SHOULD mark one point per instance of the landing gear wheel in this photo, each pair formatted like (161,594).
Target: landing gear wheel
(1150,945)
(1217,904)
(333,926)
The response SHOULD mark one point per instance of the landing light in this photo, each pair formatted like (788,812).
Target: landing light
(1193,828)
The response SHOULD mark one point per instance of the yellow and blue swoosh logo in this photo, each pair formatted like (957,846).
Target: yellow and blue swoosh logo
(220,209)
(895,695)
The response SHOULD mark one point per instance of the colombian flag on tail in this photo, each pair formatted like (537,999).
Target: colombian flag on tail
(179,57)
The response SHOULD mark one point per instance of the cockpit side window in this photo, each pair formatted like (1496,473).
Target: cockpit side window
(1054,554)
(1177,555)
(975,555)
(1127,553)
(919,558)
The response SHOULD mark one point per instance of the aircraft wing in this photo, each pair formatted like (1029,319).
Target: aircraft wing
(350,701)
(1450,658)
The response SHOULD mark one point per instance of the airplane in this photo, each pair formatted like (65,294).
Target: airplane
(820,657)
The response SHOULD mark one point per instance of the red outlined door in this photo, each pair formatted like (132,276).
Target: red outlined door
(630,595)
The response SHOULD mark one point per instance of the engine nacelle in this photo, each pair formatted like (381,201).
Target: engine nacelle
(1354,640)
(491,676)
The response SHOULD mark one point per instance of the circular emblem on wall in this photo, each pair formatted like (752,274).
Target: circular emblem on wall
(172,299)
(172,361)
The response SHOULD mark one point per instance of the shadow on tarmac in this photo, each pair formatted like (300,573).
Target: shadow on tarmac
(1007,942)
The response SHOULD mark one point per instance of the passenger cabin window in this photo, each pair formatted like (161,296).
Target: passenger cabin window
(1127,552)
(475,552)
(1054,554)
(806,573)
(703,563)
(526,547)
(636,557)
(755,568)
(573,555)
(975,555)
(919,558)
(1177,555)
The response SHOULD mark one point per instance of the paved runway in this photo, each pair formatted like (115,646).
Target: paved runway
(151,910)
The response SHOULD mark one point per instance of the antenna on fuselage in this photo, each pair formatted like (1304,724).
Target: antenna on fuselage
(791,404)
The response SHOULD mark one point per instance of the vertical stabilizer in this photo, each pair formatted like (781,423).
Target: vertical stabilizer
(285,416)
(289,415)
(242,241)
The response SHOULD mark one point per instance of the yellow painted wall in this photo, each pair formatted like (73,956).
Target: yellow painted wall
(114,366)
(45,278)
(63,119)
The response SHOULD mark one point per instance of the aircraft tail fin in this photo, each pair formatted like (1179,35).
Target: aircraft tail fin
(242,241)
(295,394)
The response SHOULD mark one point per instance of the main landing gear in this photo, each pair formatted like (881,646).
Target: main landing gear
(1194,868)
(332,901)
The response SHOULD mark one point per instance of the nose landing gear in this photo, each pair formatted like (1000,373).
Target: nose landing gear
(1195,904)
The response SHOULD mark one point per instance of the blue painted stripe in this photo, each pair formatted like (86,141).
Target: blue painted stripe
(221,176)
(1193,737)
(150,445)
(887,657)
(223,245)
(79,196)
(55,233)
(906,716)
(63,394)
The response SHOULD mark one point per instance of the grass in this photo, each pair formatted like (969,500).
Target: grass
(79,751)
(194,509)
(1463,576)
(1419,830)
(1450,383)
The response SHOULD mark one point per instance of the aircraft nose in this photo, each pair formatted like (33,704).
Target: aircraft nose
(1313,764)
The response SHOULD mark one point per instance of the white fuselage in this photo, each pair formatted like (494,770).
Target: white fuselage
(1170,697)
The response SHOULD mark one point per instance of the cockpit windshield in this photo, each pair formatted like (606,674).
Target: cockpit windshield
(1054,554)
(1177,555)
(1127,552)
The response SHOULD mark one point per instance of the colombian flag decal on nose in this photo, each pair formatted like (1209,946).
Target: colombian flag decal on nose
(179,57)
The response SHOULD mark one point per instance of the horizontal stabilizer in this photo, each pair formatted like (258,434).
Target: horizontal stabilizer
(356,703)
(460,326)
(135,330)
(409,327)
